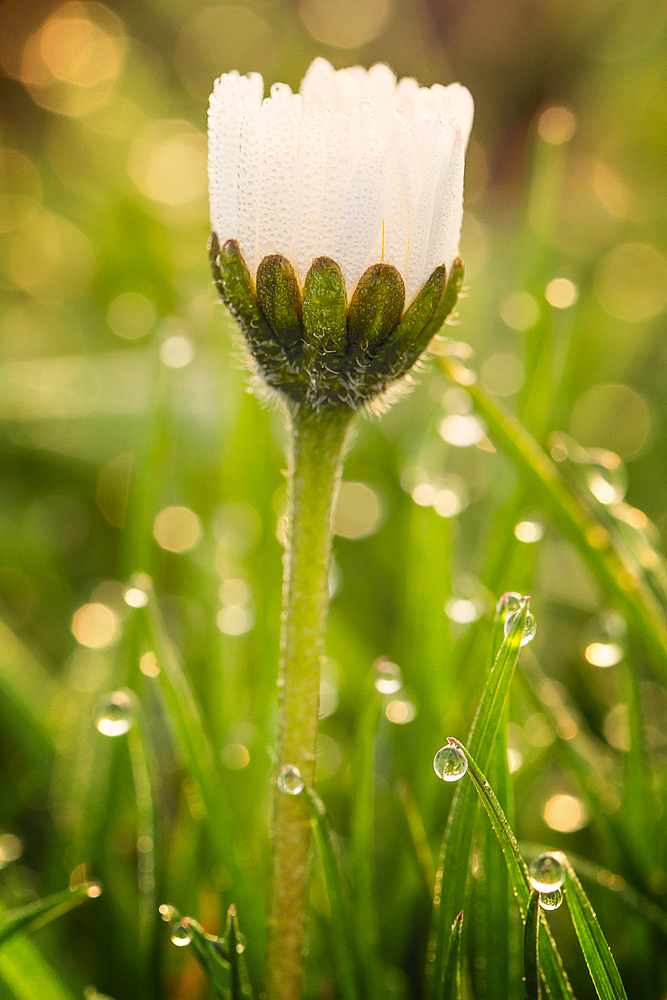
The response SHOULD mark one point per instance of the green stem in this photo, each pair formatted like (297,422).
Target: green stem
(317,442)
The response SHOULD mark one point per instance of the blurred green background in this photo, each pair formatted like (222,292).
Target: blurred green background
(129,443)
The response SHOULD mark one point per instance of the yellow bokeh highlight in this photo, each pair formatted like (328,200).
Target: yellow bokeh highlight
(345,24)
(176,529)
(95,626)
(167,162)
(565,813)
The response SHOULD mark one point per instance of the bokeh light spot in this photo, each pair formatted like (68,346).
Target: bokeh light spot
(167,162)
(503,373)
(357,512)
(131,315)
(561,293)
(345,24)
(95,626)
(565,813)
(603,654)
(235,756)
(613,417)
(520,311)
(235,620)
(176,351)
(400,711)
(631,282)
(556,125)
(528,531)
(176,529)
(461,430)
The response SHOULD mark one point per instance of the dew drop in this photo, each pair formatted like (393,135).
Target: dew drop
(546,873)
(530,628)
(180,935)
(240,944)
(290,781)
(115,715)
(450,763)
(551,900)
(167,912)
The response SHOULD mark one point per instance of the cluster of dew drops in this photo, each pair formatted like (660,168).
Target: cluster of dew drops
(546,873)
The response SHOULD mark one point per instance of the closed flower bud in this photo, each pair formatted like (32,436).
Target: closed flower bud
(344,205)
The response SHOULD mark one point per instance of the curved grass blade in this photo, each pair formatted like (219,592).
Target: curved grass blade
(531,960)
(236,947)
(596,951)
(456,851)
(43,911)
(341,922)
(559,503)
(185,716)
(451,984)
(362,848)
(552,971)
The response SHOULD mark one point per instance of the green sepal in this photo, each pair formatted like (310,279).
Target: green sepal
(421,322)
(279,297)
(376,307)
(325,309)
(235,287)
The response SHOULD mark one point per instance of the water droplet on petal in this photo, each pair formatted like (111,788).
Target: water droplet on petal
(450,763)
(115,715)
(551,900)
(546,873)
(180,935)
(290,781)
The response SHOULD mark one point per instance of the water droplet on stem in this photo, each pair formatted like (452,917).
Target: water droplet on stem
(115,714)
(290,781)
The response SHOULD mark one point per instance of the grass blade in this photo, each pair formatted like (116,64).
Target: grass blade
(596,952)
(454,862)
(28,974)
(341,923)
(531,961)
(552,970)
(451,988)
(43,911)
(559,503)
(186,719)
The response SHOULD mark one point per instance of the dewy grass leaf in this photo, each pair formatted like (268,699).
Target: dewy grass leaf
(454,862)
(186,718)
(559,503)
(596,951)
(531,961)
(342,932)
(43,911)
(362,846)
(551,970)
(451,982)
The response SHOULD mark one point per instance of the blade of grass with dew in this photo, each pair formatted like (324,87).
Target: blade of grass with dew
(241,989)
(454,862)
(451,982)
(143,773)
(531,961)
(625,894)
(42,911)
(594,947)
(186,718)
(28,974)
(552,970)
(339,901)
(560,504)
(495,942)
(362,846)
(216,969)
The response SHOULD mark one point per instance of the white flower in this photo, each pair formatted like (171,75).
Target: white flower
(357,167)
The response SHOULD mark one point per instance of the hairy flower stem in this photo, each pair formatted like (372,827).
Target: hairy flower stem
(317,441)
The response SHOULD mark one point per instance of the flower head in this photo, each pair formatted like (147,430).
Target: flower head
(357,170)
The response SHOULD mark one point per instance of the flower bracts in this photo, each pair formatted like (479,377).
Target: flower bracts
(315,349)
